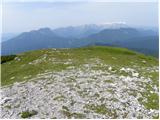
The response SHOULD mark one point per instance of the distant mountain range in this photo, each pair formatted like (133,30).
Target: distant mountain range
(7,36)
(86,30)
(144,41)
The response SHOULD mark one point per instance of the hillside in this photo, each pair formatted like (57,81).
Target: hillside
(144,41)
(89,82)
(133,39)
(34,40)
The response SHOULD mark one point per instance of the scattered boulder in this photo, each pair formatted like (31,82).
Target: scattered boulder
(5,100)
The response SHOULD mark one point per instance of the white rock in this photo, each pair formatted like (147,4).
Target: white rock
(87,82)
(12,78)
(135,74)
(110,68)
(144,61)
(122,69)
(17,58)
(4,100)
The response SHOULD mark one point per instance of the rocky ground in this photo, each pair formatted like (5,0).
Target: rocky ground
(94,90)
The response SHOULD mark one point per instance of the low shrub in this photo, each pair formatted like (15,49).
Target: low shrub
(7,58)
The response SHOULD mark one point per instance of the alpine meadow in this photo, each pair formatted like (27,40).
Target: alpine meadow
(79,59)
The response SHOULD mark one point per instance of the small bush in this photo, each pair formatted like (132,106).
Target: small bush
(7,58)
(8,106)
(65,108)
(27,114)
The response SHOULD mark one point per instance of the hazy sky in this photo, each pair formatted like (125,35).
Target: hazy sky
(25,15)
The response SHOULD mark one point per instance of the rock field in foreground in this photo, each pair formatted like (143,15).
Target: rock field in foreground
(81,92)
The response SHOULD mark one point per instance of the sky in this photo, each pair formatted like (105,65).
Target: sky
(26,15)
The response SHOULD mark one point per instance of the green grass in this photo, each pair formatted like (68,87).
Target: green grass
(13,70)
(59,98)
(7,58)
(65,108)
(108,81)
(152,98)
(78,115)
(101,109)
(69,114)
(16,71)
(27,114)
(8,107)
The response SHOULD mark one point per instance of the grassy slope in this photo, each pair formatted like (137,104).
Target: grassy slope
(17,70)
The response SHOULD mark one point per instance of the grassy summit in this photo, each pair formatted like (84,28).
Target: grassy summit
(29,64)
(90,82)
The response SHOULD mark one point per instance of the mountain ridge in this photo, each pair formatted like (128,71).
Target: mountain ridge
(48,38)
